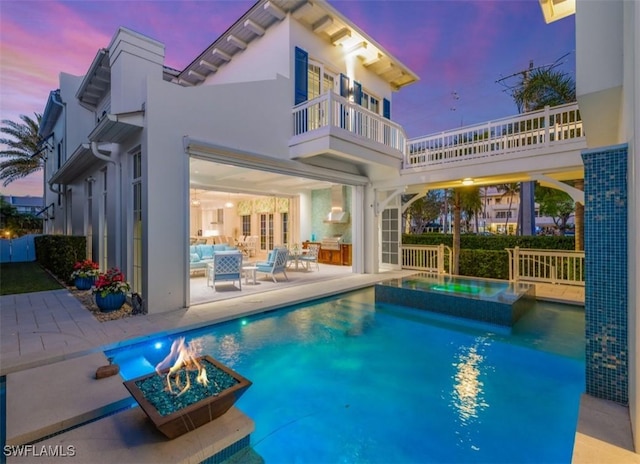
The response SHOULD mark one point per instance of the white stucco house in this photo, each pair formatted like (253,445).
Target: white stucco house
(294,101)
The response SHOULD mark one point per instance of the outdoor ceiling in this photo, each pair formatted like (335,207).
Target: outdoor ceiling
(227,178)
(495,180)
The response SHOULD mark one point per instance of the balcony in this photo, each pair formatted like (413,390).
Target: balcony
(552,130)
(332,125)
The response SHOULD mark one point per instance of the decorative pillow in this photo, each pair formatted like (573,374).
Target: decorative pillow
(271,256)
(195,257)
(206,251)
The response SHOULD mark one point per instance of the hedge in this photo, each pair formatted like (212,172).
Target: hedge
(485,255)
(58,253)
(493,242)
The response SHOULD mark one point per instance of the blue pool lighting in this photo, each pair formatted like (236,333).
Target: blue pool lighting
(349,379)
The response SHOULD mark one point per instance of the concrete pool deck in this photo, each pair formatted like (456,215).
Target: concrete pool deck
(49,334)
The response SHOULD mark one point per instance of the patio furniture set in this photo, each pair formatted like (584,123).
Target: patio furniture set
(230,265)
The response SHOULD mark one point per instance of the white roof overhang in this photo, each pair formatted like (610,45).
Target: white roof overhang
(320,17)
(117,127)
(97,82)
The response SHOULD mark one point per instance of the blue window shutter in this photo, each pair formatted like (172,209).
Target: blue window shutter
(357,93)
(344,86)
(386,108)
(301,76)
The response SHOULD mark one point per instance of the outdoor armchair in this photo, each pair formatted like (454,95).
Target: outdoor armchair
(276,262)
(226,266)
(311,256)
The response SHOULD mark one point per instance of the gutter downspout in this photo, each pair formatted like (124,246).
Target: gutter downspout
(95,150)
(60,190)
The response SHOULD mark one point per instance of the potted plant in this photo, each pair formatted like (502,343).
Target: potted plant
(84,274)
(110,290)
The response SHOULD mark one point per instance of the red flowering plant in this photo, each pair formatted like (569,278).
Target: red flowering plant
(112,281)
(84,269)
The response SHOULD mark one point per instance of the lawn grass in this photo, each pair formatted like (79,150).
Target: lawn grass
(25,278)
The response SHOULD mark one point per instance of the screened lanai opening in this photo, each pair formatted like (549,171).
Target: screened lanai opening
(253,212)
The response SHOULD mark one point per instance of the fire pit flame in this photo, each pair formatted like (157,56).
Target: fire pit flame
(186,358)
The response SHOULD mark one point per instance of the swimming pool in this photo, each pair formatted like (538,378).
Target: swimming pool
(346,379)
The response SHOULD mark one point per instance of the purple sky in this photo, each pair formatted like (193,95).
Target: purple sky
(458,48)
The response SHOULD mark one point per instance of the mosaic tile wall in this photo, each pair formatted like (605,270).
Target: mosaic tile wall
(321,205)
(605,238)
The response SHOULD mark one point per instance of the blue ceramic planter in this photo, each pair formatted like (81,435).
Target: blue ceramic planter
(84,283)
(111,302)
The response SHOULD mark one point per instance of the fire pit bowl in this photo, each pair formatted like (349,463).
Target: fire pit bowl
(176,413)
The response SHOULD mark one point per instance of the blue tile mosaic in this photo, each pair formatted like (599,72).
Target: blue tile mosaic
(229,452)
(476,299)
(606,280)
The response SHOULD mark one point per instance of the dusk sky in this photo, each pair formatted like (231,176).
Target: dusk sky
(459,49)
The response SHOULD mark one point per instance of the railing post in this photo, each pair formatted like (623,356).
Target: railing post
(330,109)
(516,263)
(547,123)
(441,258)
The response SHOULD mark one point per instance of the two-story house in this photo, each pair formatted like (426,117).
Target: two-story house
(291,104)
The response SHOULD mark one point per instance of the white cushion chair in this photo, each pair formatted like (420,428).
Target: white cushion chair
(226,266)
(276,262)
(251,245)
(311,256)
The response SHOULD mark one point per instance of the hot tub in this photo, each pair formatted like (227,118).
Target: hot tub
(492,301)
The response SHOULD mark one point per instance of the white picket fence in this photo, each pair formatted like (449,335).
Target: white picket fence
(428,258)
(550,266)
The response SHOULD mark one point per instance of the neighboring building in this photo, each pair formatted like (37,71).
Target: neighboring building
(501,210)
(24,205)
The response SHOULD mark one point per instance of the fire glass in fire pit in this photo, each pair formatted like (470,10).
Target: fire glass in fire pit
(193,391)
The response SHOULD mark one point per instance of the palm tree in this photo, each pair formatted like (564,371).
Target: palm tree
(22,156)
(456,203)
(544,87)
(509,191)
(471,204)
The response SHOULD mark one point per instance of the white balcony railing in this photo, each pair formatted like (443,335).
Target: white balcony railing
(428,258)
(547,128)
(332,110)
(551,266)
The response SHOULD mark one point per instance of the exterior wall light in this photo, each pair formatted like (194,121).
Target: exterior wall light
(467,181)
(554,10)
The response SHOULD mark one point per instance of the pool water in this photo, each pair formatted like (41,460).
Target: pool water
(345,379)
(453,284)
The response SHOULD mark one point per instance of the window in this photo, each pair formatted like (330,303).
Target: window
(266,231)
(246,225)
(59,155)
(503,214)
(136,238)
(319,81)
(89,219)
(103,223)
(370,102)
(284,217)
